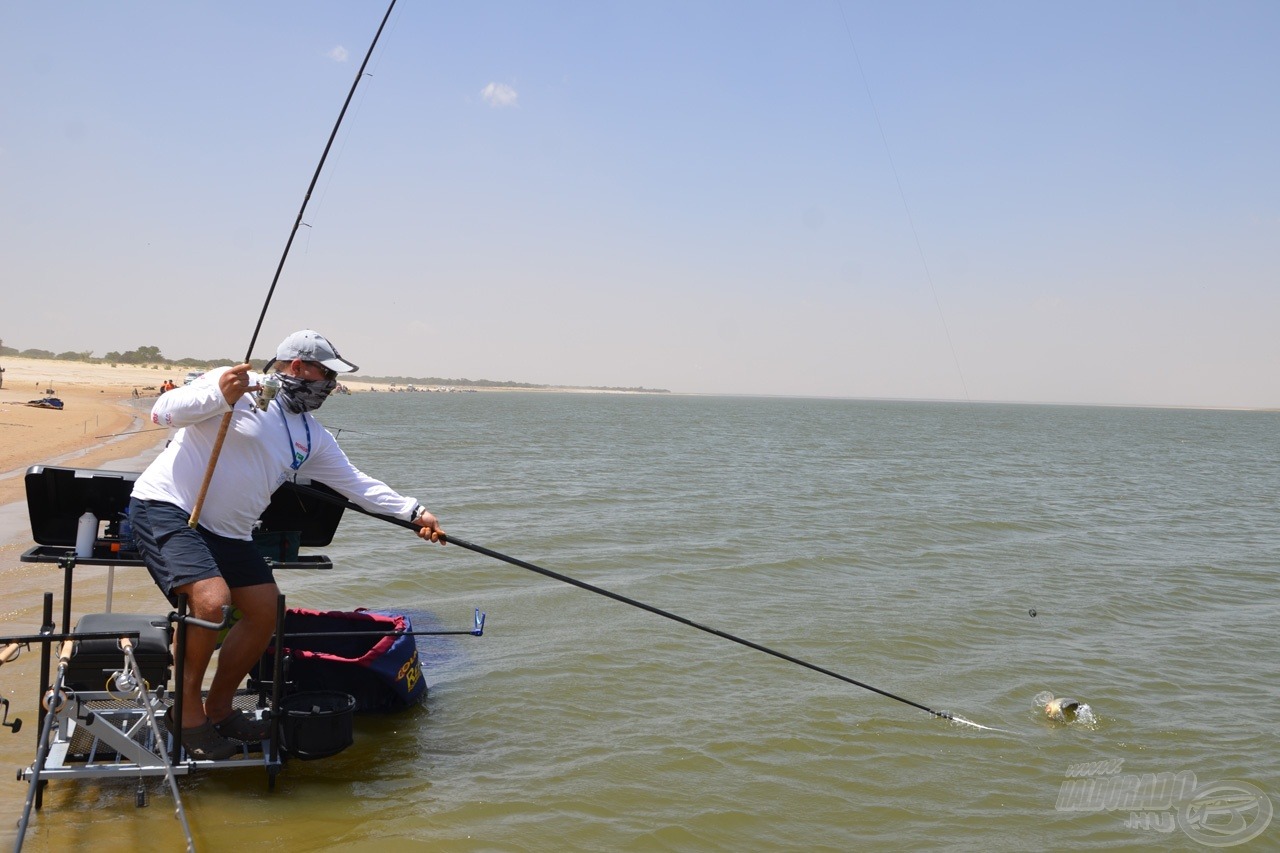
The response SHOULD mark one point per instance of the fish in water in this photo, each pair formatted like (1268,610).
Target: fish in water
(1062,708)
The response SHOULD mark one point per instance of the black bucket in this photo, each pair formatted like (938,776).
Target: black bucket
(316,724)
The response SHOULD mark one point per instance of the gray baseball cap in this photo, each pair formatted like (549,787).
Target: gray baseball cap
(310,345)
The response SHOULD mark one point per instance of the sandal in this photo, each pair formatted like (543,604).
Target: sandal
(240,726)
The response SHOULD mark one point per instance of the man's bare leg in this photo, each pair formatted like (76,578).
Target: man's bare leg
(243,646)
(205,599)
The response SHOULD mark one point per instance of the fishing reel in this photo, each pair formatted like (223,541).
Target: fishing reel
(124,684)
(125,681)
(270,388)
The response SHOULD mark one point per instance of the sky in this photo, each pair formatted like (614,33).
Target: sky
(1035,202)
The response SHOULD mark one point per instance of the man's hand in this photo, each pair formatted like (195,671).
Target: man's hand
(429,528)
(235,382)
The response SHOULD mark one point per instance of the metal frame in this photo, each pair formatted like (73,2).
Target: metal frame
(119,732)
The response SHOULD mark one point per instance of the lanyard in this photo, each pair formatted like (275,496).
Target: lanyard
(298,456)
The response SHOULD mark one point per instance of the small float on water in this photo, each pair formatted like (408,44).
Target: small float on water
(106,678)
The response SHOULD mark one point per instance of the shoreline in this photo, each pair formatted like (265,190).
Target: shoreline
(147,379)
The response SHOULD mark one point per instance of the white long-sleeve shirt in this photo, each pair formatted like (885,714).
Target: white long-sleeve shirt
(257,456)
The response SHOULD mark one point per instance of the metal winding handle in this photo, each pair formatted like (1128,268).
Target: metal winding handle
(201,623)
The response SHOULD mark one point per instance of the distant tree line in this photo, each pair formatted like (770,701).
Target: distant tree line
(152,356)
(141,355)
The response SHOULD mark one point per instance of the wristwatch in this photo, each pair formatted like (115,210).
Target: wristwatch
(418,512)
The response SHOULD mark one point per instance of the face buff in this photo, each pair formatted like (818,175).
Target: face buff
(302,395)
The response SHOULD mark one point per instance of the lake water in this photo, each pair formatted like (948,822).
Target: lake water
(963,557)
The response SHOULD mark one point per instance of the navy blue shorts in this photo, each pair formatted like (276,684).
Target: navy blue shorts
(177,554)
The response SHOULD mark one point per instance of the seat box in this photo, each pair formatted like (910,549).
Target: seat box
(93,661)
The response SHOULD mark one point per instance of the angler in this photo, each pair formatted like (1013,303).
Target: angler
(216,563)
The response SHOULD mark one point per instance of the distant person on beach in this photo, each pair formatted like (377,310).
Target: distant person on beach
(216,563)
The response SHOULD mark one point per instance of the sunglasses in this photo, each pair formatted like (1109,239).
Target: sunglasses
(328,374)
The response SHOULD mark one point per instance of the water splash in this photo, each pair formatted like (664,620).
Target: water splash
(1085,717)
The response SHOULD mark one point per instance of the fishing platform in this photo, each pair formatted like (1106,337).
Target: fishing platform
(107,683)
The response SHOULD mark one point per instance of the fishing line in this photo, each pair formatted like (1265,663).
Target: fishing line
(226,419)
(924,262)
(336,431)
(884,139)
(133,432)
(315,178)
(324,191)
(480,549)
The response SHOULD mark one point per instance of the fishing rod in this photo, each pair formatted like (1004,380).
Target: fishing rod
(226,419)
(488,552)
(52,701)
(135,688)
